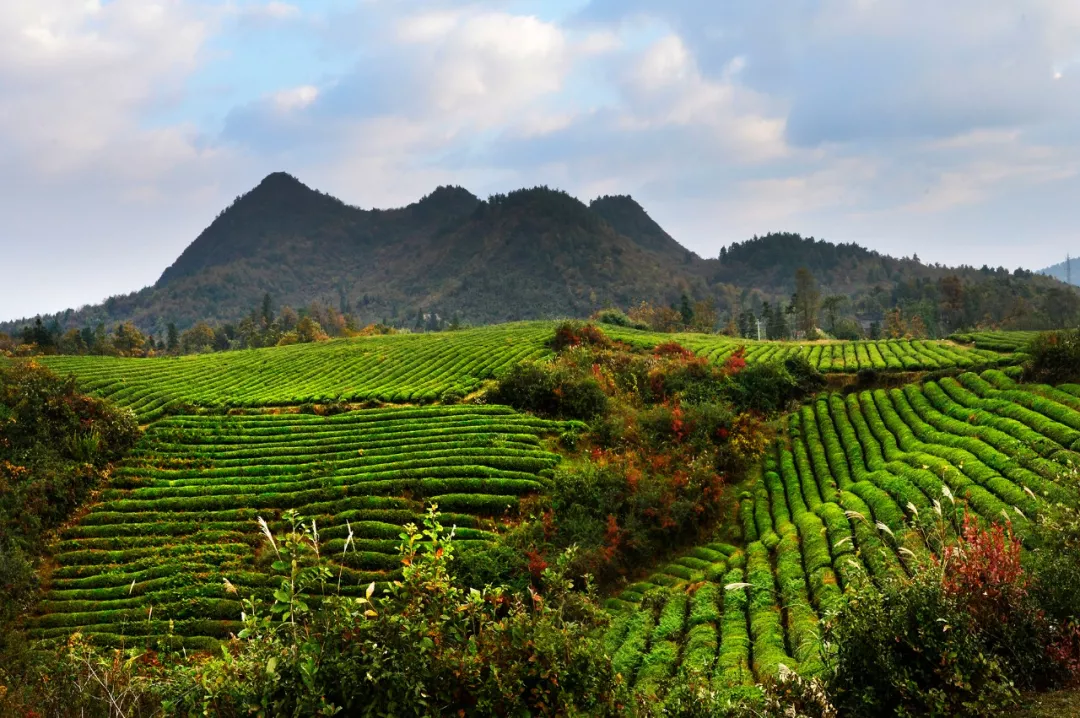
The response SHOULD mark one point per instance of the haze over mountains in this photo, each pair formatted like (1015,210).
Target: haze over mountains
(532,253)
(1061,271)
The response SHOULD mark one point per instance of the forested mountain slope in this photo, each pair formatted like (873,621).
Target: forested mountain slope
(532,253)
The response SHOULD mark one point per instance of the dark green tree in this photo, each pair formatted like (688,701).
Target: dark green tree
(747,325)
(806,301)
(686,310)
(172,341)
(832,305)
(267,309)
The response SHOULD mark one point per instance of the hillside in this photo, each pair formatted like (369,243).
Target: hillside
(530,254)
(822,517)
(1061,270)
(805,549)
(425,368)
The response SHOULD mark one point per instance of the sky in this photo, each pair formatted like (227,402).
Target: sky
(950,130)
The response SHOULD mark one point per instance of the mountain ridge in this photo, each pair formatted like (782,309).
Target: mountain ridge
(528,254)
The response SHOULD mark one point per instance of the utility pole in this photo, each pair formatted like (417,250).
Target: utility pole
(759,330)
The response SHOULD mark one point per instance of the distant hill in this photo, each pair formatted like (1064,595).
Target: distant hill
(1061,270)
(532,253)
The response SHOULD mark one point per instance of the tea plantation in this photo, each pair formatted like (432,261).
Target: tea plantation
(836,507)
(171,546)
(397,368)
(423,368)
(996,341)
(833,356)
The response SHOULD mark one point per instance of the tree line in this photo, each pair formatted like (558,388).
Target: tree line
(921,308)
(263,326)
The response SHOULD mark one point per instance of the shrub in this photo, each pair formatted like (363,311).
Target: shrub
(768,387)
(912,649)
(55,446)
(1054,565)
(551,390)
(452,396)
(580,398)
(1054,357)
(965,633)
(618,319)
(983,571)
(574,334)
(493,565)
(672,349)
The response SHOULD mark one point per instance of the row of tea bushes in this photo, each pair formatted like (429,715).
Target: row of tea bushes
(180,516)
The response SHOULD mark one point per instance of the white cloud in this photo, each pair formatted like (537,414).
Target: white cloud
(875,120)
(493,64)
(295,98)
(666,88)
(427,26)
(76,76)
(277,10)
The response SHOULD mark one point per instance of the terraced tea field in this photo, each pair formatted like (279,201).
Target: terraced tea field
(179,519)
(422,368)
(828,357)
(397,368)
(996,341)
(156,554)
(833,509)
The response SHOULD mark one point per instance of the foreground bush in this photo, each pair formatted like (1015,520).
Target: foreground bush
(1055,357)
(429,646)
(426,646)
(961,638)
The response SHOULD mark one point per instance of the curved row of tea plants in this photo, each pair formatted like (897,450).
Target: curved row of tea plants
(397,368)
(828,357)
(838,507)
(424,368)
(164,547)
(996,341)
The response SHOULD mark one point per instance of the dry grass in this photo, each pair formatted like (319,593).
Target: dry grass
(1058,704)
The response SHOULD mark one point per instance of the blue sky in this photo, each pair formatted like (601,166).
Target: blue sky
(950,130)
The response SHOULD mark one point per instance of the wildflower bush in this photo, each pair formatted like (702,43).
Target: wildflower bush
(962,637)
(667,431)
